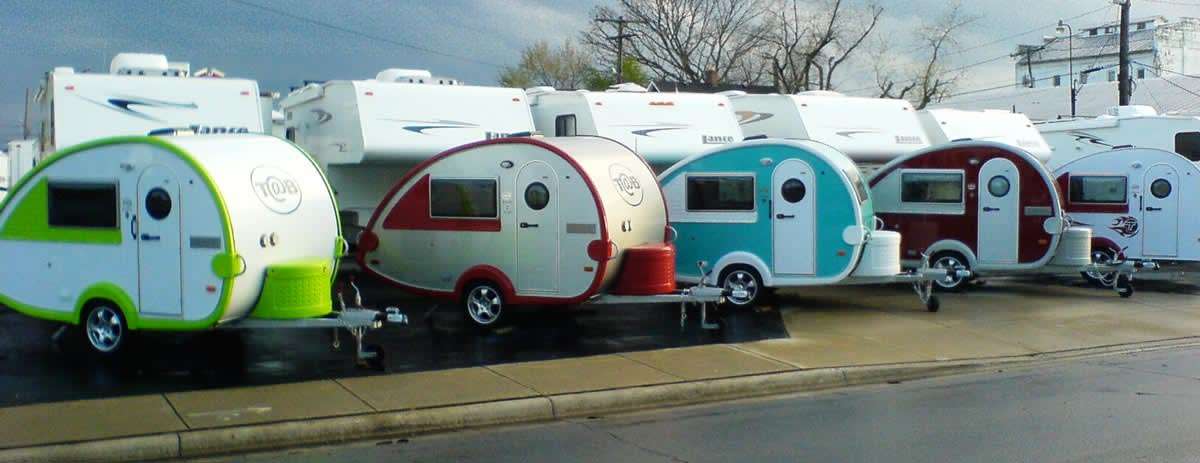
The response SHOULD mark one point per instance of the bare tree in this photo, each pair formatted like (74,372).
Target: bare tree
(927,80)
(807,41)
(565,67)
(682,40)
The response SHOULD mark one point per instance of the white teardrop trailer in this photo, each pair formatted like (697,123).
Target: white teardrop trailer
(529,221)
(183,233)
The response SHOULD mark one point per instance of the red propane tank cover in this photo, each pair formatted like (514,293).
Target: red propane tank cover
(646,270)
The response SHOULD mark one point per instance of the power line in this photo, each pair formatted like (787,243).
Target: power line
(1174,2)
(349,31)
(1010,37)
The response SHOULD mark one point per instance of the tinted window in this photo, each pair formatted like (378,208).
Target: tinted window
(1161,188)
(564,126)
(724,193)
(1102,189)
(158,203)
(931,187)
(82,205)
(537,196)
(469,198)
(1188,144)
(793,190)
(998,186)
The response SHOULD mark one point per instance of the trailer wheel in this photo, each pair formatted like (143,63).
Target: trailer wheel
(744,280)
(484,303)
(104,328)
(1124,286)
(1097,278)
(949,260)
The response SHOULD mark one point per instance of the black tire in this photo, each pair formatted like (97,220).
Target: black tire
(104,328)
(483,304)
(742,278)
(1124,286)
(1101,279)
(949,260)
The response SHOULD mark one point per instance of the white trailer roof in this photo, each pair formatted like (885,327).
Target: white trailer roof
(946,125)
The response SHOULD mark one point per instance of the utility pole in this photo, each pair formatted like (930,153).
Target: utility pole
(1124,85)
(25,120)
(621,36)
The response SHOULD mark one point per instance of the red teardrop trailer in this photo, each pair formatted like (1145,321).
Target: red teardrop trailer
(527,221)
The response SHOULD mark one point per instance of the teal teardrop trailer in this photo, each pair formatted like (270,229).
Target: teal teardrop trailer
(780,213)
(181,233)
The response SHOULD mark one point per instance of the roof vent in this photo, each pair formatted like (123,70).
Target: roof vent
(828,93)
(139,64)
(535,91)
(627,87)
(404,76)
(1131,111)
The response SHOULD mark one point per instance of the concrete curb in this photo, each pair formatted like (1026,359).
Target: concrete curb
(376,425)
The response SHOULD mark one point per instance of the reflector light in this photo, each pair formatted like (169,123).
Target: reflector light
(70,87)
(370,93)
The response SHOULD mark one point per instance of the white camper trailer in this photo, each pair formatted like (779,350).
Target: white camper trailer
(1139,126)
(368,133)
(177,234)
(1004,127)
(142,94)
(663,128)
(871,131)
(4,180)
(22,156)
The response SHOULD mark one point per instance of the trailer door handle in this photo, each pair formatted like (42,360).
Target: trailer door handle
(528,225)
(990,209)
(784,216)
(146,237)
(1152,208)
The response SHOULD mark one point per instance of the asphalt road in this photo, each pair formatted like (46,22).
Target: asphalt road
(35,369)
(1128,408)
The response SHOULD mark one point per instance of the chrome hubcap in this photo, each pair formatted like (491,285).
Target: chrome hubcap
(741,280)
(1102,257)
(948,263)
(484,305)
(104,329)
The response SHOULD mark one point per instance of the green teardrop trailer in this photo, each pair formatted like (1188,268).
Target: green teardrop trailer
(180,233)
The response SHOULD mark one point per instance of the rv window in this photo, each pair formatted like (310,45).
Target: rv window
(860,187)
(720,193)
(462,198)
(290,134)
(931,187)
(1188,144)
(537,196)
(1098,189)
(564,126)
(1161,188)
(83,205)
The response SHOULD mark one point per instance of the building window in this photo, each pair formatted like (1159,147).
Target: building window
(931,187)
(564,126)
(82,205)
(1057,81)
(720,193)
(1188,145)
(1141,73)
(1083,78)
(1141,26)
(1025,81)
(1098,189)
(1112,75)
(462,198)
(1092,32)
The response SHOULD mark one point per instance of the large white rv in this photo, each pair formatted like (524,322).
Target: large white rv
(366,134)
(141,94)
(22,156)
(1139,126)
(4,181)
(1004,127)
(662,127)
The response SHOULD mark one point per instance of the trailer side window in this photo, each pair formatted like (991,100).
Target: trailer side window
(1098,189)
(931,187)
(82,205)
(720,193)
(462,198)
(564,126)
(1188,144)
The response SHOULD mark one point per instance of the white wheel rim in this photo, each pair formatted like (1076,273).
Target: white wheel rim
(741,280)
(104,329)
(948,263)
(1107,278)
(484,305)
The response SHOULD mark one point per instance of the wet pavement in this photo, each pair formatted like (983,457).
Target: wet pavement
(34,369)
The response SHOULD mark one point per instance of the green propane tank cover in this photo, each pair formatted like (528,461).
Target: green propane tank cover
(295,290)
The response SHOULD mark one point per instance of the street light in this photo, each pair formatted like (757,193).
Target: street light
(1062,28)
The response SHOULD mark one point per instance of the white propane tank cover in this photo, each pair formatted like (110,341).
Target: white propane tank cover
(628,87)
(1132,111)
(404,75)
(130,63)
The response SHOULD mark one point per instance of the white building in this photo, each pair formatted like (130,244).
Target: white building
(1157,47)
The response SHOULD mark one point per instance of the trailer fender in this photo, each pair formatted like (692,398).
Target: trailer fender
(956,246)
(112,293)
(489,273)
(1100,242)
(742,258)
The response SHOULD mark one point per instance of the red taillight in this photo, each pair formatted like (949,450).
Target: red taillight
(245,93)
(70,87)
(370,93)
(368,241)
(600,250)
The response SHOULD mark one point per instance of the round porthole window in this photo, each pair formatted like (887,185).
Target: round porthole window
(537,196)
(998,186)
(158,204)
(793,190)
(1161,188)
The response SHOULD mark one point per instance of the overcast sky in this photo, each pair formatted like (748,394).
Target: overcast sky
(280,51)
